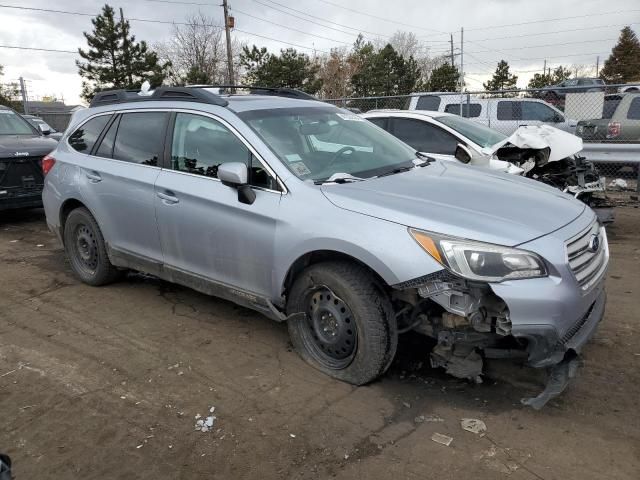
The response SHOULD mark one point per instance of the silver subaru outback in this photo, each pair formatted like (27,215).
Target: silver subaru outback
(311,215)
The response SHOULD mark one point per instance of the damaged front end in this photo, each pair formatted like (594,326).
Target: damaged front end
(552,156)
(471,323)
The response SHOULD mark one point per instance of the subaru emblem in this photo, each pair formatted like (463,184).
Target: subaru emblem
(594,243)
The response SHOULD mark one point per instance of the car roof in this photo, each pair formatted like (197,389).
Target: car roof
(243,103)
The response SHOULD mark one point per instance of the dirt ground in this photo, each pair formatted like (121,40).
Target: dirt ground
(106,383)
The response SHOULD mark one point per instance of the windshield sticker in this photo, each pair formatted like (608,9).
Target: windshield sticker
(350,116)
(293,157)
(300,169)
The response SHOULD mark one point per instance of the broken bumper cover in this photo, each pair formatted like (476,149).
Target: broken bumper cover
(546,347)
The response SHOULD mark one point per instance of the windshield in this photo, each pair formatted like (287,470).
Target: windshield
(13,124)
(318,142)
(476,132)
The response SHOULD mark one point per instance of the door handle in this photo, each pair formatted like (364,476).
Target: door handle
(168,197)
(93,177)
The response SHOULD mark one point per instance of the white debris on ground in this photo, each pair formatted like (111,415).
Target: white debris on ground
(205,424)
(473,425)
(292,435)
(618,184)
(442,439)
(428,418)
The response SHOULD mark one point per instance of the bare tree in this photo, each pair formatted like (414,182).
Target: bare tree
(336,70)
(196,51)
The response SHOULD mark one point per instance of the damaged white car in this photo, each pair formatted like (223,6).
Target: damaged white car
(542,152)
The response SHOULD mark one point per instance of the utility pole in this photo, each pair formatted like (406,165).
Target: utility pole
(452,56)
(227,28)
(23,91)
(544,69)
(597,64)
(461,58)
(125,49)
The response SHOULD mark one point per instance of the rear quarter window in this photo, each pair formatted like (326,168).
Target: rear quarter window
(84,137)
(468,110)
(634,109)
(428,102)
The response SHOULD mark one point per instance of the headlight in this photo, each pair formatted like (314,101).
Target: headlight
(480,261)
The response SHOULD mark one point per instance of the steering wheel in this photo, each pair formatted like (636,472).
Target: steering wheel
(339,154)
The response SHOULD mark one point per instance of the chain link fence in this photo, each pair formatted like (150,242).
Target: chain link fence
(606,117)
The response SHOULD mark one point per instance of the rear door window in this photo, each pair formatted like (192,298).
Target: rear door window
(634,109)
(424,136)
(140,137)
(428,102)
(85,136)
(468,110)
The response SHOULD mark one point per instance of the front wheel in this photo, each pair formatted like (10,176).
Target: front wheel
(347,330)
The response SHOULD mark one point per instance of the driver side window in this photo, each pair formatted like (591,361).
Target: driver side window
(201,144)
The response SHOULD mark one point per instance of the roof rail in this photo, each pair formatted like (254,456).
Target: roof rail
(183,94)
(256,89)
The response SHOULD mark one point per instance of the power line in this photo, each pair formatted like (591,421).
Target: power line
(289,28)
(39,49)
(382,18)
(555,44)
(537,34)
(66,12)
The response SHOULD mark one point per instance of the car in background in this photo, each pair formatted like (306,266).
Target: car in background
(22,148)
(630,88)
(543,153)
(43,127)
(619,122)
(503,114)
(572,85)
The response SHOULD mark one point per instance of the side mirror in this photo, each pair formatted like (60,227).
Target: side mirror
(463,153)
(235,175)
(44,129)
(557,118)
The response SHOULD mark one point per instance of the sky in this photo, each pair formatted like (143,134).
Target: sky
(525,33)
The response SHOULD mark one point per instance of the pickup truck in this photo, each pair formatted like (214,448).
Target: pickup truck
(619,122)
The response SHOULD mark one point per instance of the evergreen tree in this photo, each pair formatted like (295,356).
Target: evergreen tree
(623,65)
(444,78)
(290,69)
(384,72)
(114,59)
(502,79)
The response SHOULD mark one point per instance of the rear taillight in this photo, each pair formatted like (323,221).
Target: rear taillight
(613,129)
(47,164)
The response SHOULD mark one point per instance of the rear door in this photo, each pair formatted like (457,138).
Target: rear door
(117,180)
(208,236)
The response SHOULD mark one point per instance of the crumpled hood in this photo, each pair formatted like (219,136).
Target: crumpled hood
(561,144)
(463,201)
(32,145)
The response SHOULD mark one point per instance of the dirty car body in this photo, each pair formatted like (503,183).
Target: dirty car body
(350,236)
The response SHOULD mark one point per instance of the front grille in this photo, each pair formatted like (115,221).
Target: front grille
(586,264)
(577,326)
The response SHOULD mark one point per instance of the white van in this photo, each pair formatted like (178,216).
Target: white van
(503,114)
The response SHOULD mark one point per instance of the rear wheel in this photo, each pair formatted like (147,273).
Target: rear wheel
(347,330)
(85,248)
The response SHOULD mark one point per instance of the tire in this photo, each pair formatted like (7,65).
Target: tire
(85,249)
(348,330)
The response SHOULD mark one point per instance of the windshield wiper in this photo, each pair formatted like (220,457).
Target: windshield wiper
(339,178)
(426,159)
(397,170)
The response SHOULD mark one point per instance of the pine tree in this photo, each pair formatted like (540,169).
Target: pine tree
(541,80)
(502,79)
(445,78)
(114,59)
(623,65)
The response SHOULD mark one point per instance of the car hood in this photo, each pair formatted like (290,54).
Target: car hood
(462,201)
(25,146)
(561,144)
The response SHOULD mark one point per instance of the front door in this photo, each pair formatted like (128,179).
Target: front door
(205,231)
